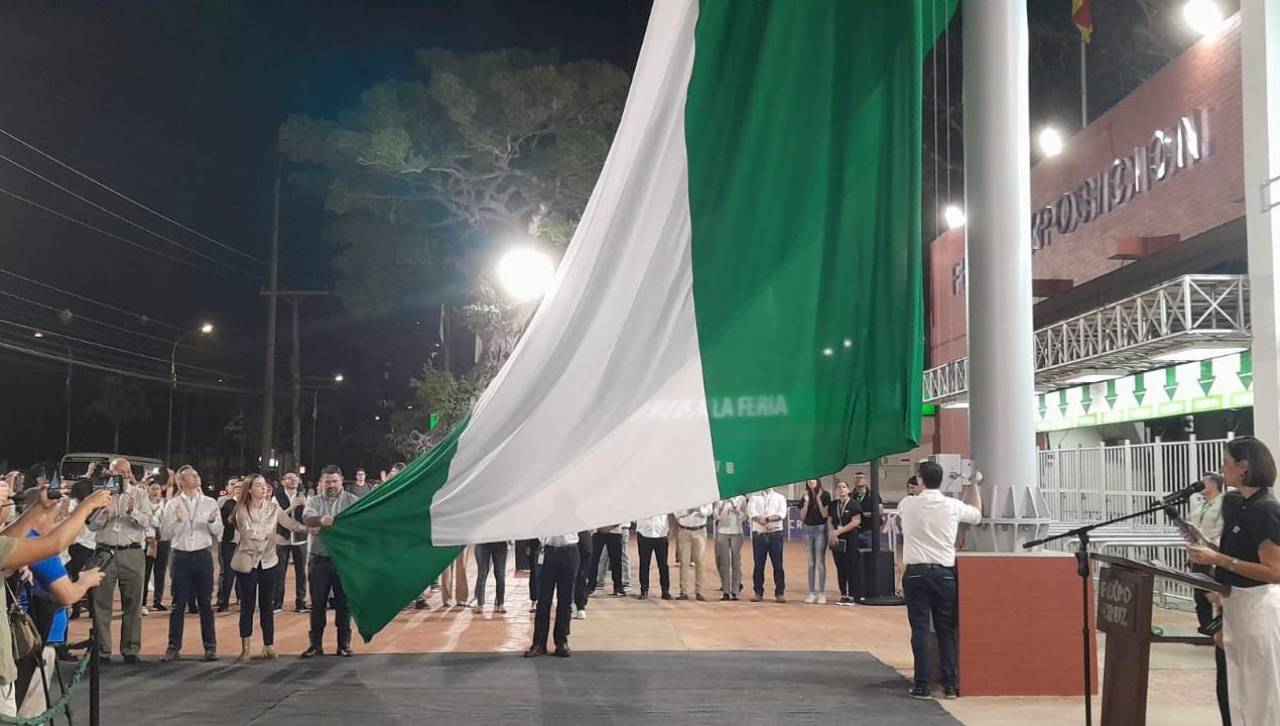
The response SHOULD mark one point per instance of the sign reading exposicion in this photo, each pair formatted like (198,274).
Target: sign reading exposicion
(1168,152)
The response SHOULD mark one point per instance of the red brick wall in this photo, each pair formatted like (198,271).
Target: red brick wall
(1194,200)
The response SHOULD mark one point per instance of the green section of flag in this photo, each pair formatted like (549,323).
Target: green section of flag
(803,131)
(381,545)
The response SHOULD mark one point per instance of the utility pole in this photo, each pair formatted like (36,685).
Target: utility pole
(269,369)
(295,298)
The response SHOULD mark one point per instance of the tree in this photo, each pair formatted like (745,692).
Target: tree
(423,174)
(119,402)
(443,399)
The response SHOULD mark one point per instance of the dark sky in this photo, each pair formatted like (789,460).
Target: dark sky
(177,104)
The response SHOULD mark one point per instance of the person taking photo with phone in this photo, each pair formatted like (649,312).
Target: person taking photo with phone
(121,529)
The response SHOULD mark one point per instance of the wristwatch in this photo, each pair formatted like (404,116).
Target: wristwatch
(1232,564)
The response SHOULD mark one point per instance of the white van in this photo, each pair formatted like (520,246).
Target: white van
(74,466)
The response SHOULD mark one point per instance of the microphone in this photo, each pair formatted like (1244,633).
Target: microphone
(1184,493)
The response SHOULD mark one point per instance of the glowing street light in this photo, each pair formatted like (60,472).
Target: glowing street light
(954,216)
(525,273)
(339,378)
(206,328)
(38,334)
(1202,16)
(1050,141)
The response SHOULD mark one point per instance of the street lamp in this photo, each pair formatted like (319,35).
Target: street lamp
(315,414)
(1050,141)
(205,329)
(1202,16)
(66,392)
(525,273)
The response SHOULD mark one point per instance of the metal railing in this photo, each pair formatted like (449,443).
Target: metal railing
(1094,484)
(1126,334)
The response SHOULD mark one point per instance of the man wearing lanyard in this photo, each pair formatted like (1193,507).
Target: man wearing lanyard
(691,543)
(122,529)
(556,575)
(192,524)
(318,514)
(930,522)
(291,543)
(767,511)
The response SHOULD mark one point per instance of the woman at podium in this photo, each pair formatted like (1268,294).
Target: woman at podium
(1248,559)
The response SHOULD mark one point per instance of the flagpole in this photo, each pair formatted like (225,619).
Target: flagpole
(1084,86)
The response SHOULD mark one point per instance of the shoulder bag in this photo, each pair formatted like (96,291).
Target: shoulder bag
(22,629)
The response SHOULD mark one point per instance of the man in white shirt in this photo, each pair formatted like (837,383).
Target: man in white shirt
(730,514)
(767,511)
(193,525)
(930,522)
(1205,512)
(556,575)
(653,532)
(691,543)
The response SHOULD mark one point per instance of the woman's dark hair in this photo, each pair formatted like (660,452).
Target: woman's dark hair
(1262,466)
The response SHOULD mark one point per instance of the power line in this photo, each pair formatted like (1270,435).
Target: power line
(7,345)
(84,317)
(144,318)
(131,200)
(126,220)
(112,235)
(123,351)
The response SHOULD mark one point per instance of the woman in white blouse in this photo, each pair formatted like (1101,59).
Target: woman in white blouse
(256,516)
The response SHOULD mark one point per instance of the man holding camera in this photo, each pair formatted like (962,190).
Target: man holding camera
(121,529)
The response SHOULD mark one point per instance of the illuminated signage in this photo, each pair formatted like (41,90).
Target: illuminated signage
(1169,152)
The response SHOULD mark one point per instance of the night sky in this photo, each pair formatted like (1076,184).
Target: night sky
(177,104)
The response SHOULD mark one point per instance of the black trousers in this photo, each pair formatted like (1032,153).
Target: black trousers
(581,583)
(556,575)
(227,576)
(159,571)
(79,555)
(325,583)
(258,584)
(931,596)
(192,580)
(612,543)
(649,547)
(298,553)
(847,566)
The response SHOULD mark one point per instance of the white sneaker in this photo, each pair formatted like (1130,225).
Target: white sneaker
(580,615)
(810,598)
(146,611)
(822,598)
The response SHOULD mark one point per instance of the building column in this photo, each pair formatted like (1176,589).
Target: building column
(997,173)
(1260,64)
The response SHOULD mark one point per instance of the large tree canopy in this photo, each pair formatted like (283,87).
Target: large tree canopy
(480,148)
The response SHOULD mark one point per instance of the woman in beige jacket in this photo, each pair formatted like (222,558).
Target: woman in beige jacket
(257,515)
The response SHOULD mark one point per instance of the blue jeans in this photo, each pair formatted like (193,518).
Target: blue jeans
(931,594)
(768,545)
(815,544)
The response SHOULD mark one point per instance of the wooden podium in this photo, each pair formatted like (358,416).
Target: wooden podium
(1125,589)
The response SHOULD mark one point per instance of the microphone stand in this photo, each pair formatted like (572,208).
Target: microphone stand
(1084,569)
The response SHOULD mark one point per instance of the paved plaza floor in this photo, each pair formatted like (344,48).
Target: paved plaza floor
(633,661)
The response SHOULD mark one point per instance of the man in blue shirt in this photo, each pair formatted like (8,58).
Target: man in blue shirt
(52,589)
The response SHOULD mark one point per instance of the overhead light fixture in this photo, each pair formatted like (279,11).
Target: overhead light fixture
(1094,377)
(1199,352)
(1050,141)
(954,216)
(1202,16)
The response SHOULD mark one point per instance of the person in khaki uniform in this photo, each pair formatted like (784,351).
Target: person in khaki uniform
(121,527)
(691,543)
(16,552)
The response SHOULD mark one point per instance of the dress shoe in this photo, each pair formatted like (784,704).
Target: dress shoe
(132,659)
(535,650)
(223,608)
(666,596)
(780,599)
(643,595)
(312,652)
(683,597)
(725,597)
(562,651)
(420,604)
(345,652)
(735,598)
(170,655)
(700,597)
(159,608)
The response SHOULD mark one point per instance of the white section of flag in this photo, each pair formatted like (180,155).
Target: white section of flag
(565,438)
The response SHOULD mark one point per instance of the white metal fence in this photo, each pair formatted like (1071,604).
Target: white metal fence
(1094,484)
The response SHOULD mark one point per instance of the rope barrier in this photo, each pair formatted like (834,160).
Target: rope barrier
(82,667)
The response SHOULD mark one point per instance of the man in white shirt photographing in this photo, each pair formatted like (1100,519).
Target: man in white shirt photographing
(930,523)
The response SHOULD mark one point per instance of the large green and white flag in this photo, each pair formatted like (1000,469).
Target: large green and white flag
(740,306)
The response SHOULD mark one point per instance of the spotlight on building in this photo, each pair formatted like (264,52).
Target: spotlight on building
(1204,17)
(1050,141)
(954,216)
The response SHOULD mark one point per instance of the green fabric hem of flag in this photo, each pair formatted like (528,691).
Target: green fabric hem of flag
(381,545)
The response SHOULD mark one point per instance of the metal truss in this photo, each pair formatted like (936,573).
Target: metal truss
(1127,334)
